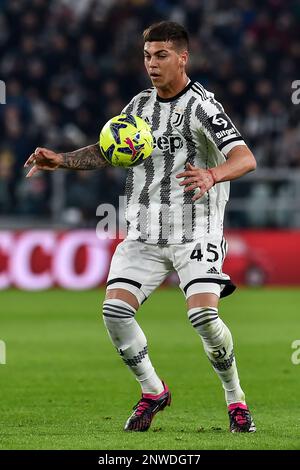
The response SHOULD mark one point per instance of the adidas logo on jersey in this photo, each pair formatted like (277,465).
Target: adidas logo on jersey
(212,270)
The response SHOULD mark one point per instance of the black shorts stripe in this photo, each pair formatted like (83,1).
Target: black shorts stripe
(207,280)
(229,141)
(124,279)
(228,289)
(222,248)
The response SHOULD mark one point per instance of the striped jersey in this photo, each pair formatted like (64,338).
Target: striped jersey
(190,127)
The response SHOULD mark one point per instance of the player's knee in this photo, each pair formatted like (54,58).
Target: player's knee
(116,310)
(125,295)
(204,319)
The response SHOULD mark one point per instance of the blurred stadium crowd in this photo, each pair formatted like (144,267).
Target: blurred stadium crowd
(70,65)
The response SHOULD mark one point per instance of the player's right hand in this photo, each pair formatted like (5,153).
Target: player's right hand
(43,159)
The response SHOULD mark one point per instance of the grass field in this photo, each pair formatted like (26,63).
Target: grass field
(64,386)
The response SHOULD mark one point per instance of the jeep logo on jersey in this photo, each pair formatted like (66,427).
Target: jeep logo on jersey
(169,143)
(222,126)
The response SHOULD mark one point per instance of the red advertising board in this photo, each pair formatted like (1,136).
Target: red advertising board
(263,257)
(78,259)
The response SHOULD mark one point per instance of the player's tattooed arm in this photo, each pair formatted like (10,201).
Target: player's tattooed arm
(86,158)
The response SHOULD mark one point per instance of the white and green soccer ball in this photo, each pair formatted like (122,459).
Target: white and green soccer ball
(126,140)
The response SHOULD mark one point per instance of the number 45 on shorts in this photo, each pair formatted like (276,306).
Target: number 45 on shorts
(208,252)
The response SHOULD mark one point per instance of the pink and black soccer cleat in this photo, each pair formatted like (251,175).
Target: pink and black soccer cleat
(240,419)
(146,409)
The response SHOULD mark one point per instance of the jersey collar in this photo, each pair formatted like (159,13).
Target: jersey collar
(173,98)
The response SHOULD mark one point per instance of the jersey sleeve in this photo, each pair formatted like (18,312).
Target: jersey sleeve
(217,126)
(128,109)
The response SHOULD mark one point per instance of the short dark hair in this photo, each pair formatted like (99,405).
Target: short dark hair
(167,31)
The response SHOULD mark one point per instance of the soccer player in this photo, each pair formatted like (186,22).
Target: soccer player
(181,192)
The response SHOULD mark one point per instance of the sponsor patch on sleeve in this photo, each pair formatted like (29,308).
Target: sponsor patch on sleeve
(222,126)
(224,132)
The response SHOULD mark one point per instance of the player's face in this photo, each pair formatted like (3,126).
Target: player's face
(165,65)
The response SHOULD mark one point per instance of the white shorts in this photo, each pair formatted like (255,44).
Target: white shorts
(140,267)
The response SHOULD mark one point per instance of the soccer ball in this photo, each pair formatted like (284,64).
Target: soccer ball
(126,140)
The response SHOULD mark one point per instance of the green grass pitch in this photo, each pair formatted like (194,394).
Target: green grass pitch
(65,387)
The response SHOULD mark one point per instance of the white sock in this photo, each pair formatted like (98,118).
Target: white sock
(218,345)
(131,343)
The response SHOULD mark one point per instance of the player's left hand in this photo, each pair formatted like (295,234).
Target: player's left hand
(196,178)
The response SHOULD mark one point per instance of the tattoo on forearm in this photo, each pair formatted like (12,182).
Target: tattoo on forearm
(86,158)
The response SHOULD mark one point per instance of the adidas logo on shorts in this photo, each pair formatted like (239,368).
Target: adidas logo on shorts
(212,270)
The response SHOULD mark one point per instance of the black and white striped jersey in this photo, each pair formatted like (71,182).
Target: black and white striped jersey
(190,127)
